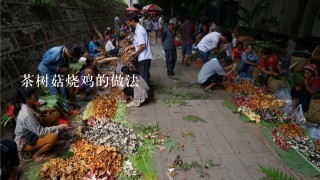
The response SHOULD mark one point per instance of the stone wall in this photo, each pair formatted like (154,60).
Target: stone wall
(28,31)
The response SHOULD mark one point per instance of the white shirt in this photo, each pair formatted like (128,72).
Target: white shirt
(82,60)
(141,37)
(234,41)
(109,46)
(209,42)
(160,23)
(141,20)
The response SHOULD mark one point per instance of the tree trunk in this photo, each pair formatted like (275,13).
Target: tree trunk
(295,26)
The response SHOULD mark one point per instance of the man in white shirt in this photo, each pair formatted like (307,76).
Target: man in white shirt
(142,47)
(161,24)
(212,73)
(211,41)
(110,47)
(117,23)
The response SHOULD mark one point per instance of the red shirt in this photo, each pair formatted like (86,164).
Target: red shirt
(315,84)
(237,53)
(264,63)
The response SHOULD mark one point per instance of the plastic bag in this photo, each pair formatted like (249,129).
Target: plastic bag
(298,116)
(284,94)
(314,133)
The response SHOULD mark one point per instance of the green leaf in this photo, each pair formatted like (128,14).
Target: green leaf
(172,103)
(274,174)
(193,118)
(144,163)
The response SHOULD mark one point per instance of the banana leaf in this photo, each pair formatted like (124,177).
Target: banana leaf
(75,67)
(292,158)
(5,120)
(55,101)
(144,163)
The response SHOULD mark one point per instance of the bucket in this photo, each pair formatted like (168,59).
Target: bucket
(299,60)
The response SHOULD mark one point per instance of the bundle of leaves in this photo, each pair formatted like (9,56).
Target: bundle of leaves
(272,173)
(55,101)
(193,118)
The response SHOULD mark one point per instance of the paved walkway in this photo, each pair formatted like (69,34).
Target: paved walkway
(223,138)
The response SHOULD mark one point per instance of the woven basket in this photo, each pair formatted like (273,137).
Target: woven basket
(313,114)
(275,84)
(299,60)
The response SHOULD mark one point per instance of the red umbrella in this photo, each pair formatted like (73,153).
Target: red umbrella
(132,9)
(152,7)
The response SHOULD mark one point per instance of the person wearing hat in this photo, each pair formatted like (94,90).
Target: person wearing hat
(310,84)
(167,39)
(211,41)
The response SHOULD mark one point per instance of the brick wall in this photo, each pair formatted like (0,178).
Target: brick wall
(28,31)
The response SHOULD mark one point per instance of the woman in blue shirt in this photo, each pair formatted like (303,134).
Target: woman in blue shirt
(249,61)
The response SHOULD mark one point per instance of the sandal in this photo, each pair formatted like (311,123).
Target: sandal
(209,91)
(45,157)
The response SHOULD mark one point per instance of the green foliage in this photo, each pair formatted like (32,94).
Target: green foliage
(55,101)
(274,174)
(122,114)
(145,129)
(42,2)
(75,67)
(148,144)
(5,120)
(194,56)
(69,154)
(258,17)
(144,163)
(170,144)
(200,169)
(193,118)
(190,135)
(32,171)
(260,45)
(172,103)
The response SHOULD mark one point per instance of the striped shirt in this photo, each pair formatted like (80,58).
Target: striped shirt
(27,120)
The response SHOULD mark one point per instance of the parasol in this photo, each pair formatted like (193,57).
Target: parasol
(151,7)
(132,9)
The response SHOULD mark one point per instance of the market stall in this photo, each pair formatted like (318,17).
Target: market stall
(284,131)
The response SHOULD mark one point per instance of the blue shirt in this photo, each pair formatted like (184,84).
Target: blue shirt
(253,57)
(93,49)
(168,39)
(52,60)
(208,69)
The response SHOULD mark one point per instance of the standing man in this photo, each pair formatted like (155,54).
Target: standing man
(142,47)
(161,24)
(55,62)
(186,31)
(117,23)
(167,39)
(211,41)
